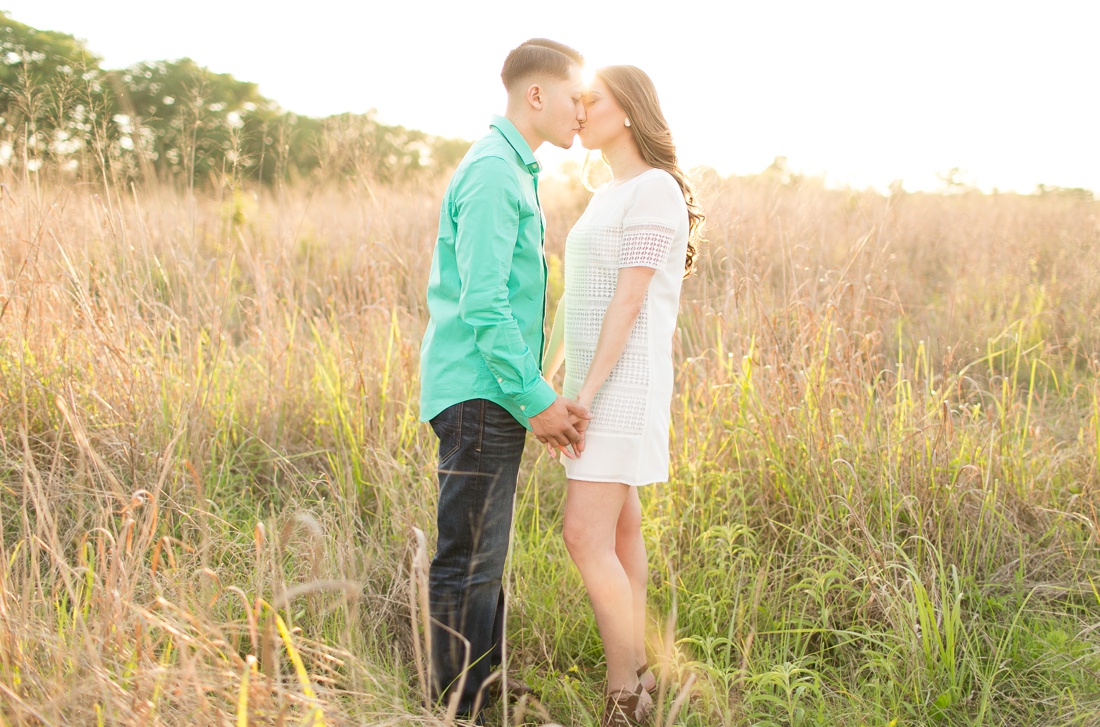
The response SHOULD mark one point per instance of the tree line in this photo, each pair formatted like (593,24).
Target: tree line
(176,120)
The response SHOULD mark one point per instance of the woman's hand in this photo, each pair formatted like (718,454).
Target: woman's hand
(581,425)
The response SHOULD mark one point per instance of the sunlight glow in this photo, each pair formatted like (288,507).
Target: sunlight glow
(854,91)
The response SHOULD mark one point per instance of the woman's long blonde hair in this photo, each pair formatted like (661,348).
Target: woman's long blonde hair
(633,90)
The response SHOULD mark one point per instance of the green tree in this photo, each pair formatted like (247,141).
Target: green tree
(51,94)
(179,121)
(186,121)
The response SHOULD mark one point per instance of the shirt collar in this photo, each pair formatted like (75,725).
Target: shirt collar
(511,134)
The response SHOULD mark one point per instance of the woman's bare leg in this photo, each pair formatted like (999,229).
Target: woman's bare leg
(592,511)
(630,549)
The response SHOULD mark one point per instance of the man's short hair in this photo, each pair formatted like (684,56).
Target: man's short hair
(538,56)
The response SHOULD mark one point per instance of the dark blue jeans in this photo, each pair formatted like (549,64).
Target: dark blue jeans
(480,446)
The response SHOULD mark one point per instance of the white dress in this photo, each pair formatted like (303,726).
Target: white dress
(641,221)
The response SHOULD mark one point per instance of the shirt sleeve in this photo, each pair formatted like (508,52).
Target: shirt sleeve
(487,211)
(653,215)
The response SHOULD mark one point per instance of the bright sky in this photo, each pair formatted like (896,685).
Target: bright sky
(862,92)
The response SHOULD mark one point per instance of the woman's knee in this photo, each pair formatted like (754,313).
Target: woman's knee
(575,536)
(583,538)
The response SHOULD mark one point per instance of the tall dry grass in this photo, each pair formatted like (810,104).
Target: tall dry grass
(885,450)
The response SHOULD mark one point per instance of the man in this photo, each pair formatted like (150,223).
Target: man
(481,359)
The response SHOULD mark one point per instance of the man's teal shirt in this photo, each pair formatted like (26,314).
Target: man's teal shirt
(487,288)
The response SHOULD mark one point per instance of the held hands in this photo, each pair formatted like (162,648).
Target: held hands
(561,426)
(580,424)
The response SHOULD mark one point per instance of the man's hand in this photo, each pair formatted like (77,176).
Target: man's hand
(562,425)
(580,424)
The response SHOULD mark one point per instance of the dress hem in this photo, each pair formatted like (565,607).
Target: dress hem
(609,479)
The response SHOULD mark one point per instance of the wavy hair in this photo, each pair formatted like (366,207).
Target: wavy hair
(635,93)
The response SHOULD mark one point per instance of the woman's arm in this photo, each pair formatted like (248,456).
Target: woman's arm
(618,321)
(555,347)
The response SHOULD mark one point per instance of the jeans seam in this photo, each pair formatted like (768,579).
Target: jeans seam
(480,431)
(471,545)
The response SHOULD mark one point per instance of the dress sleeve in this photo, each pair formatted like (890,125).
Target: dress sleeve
(655,212)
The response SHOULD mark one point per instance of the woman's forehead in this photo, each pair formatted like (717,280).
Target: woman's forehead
(595,87)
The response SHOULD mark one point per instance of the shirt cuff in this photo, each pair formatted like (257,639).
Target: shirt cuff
(537,399)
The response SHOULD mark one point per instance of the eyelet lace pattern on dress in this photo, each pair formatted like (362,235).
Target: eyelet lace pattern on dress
(642,223)
(646,245)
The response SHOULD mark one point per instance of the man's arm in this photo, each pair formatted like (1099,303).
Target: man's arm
(486,208)
(555,348)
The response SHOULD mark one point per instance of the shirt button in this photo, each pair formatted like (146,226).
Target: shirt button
(500,380)
(522,407)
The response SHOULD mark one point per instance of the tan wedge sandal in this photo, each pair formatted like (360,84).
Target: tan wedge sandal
(625,709)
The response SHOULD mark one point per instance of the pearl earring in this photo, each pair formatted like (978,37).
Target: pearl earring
(626,122)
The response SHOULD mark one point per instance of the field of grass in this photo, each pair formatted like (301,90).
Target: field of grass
(215,494)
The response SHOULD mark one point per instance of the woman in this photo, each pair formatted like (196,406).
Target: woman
(624,262)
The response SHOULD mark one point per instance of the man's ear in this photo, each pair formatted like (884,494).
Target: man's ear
(534,96)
